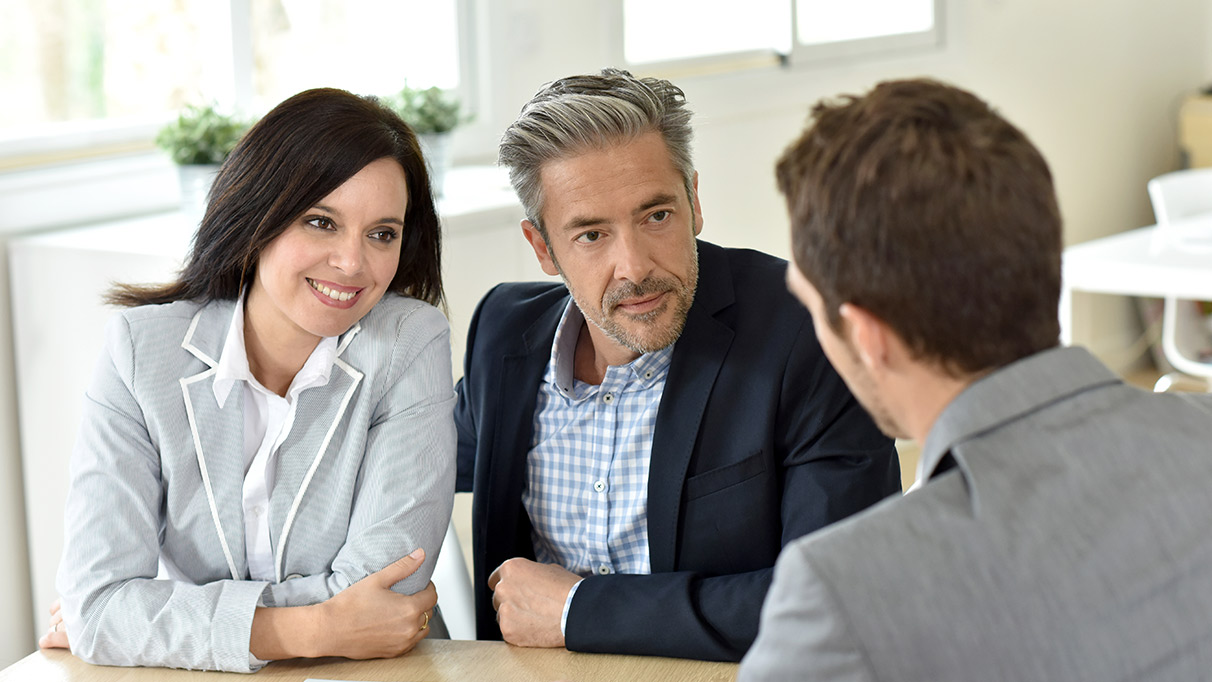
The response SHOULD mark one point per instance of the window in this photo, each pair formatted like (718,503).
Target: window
(782,30)
(826,28)
(367,46)
(87,72)
(827,21)
(647,37)
(107,73)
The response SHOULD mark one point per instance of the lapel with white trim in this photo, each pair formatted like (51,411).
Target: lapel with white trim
(218,434)
(218,437)
(304,450)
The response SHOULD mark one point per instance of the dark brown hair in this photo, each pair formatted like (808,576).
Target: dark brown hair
(921,205)
(301,151)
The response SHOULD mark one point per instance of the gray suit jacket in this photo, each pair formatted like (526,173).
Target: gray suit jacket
(365,476)
(1071,541)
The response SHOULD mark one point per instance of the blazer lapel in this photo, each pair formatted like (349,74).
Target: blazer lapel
(696,362)
(521,374)
(317,429)
(217,434)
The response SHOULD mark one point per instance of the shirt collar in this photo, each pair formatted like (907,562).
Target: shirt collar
(233,362)
(1007,394)
(563,350)
(652,367)
(647,369)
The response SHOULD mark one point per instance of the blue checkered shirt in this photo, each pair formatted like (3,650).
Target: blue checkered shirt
(587,471)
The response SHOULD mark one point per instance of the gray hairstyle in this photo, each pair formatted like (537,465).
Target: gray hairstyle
(581,113)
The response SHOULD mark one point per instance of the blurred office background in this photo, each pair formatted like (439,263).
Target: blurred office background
(1096,85)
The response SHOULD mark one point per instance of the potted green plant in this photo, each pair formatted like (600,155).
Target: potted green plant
(198,141)
(432,114)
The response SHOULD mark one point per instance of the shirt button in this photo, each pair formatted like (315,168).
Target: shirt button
(599,486)
(603,570)
(258,510)
(608,398)
(648,374)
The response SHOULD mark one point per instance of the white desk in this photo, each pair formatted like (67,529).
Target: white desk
(1131,264)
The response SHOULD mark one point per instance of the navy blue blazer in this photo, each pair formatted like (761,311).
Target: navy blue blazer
(757,442)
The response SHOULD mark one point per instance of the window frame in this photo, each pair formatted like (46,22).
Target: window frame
(801,55)
(83,141)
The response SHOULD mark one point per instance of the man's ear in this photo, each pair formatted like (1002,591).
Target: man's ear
(868,335)
(541,251)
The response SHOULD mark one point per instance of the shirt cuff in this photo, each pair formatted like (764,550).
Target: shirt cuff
(567,606)
(254,663)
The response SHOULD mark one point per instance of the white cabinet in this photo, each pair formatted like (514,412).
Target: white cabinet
(58,320)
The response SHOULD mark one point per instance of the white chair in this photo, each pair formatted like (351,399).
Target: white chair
(1175,196)
(456,598)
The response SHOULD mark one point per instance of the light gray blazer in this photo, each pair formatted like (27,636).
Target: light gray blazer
(1073,541)
(365,477)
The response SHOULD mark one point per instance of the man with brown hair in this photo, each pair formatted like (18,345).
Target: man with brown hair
(1060,531)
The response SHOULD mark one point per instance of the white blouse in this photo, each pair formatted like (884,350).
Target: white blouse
(268,418)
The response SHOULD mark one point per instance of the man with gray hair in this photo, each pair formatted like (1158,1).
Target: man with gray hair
(644,438)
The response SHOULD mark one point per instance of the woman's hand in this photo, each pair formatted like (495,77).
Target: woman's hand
(372,621)
(56,635)
(366,620)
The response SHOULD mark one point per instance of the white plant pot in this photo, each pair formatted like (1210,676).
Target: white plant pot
(435,147)
(195,180)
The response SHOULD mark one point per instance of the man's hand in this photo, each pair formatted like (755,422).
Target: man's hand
(529,598)
(56,635)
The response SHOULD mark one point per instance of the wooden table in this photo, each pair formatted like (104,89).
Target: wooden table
(431,661)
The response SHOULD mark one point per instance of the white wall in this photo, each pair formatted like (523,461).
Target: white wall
(1095,85)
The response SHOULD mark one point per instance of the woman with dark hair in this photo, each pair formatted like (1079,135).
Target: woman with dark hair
(266,437)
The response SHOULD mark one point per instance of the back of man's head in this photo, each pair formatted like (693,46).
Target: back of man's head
(583,113)
(921,205)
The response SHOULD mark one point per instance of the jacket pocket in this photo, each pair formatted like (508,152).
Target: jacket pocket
(715,480)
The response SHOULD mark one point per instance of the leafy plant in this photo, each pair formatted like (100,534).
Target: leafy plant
(201,135)
(427,110)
